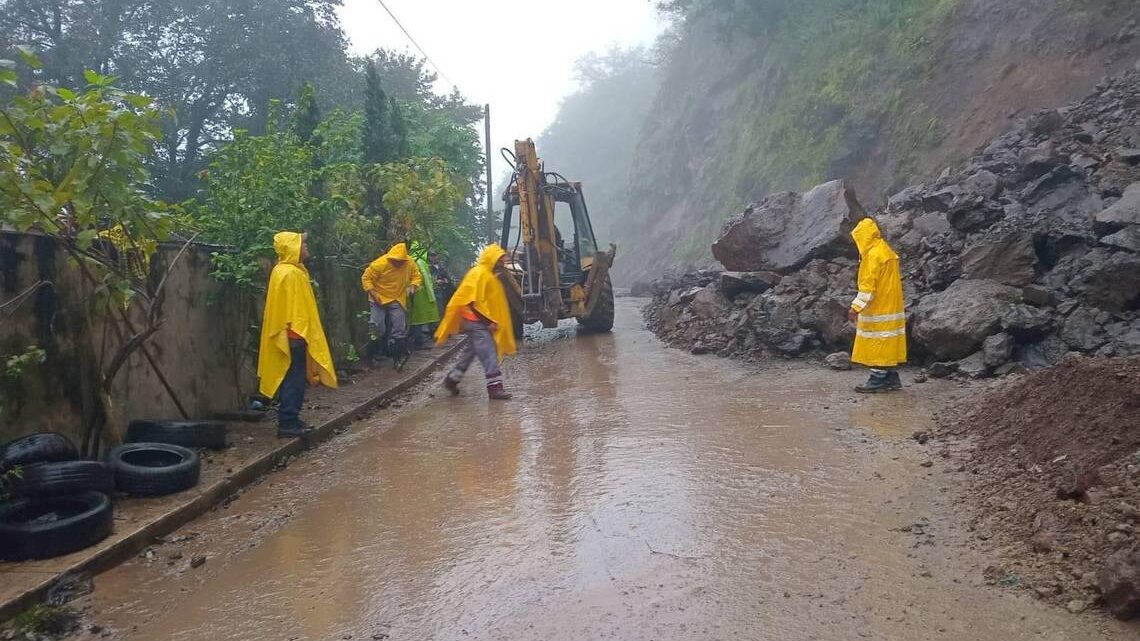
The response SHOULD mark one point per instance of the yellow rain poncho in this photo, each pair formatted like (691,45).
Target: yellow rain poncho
(290,305)
(880,336)
(482,288)
(386,281)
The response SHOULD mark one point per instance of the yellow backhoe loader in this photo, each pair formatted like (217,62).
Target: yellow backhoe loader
(555,268)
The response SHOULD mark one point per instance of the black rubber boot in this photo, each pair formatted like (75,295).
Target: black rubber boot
(876,384)
(893,379)
(451,385)
(294,429)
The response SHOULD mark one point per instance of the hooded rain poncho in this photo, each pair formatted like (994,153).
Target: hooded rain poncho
(387,281)
(880,336)
(481,287)
(424,308)
(290,305)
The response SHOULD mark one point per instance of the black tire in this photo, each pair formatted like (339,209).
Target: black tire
(64,477)
(42,528)
(43,447)
(211,434)
(154,469)
(602,319)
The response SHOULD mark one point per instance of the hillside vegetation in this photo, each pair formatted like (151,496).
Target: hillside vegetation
(750,98)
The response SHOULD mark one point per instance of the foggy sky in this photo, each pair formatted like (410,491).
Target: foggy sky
(517,55)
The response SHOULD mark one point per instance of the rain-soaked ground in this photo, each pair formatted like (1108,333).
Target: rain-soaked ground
(629,492)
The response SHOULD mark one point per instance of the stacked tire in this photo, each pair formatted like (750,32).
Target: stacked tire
(58,503)
(161,457)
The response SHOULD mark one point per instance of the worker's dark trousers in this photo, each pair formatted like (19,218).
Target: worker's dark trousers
(480,344)
(291,394)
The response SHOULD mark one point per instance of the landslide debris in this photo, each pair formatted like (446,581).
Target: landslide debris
(1055,480)
(1027,252)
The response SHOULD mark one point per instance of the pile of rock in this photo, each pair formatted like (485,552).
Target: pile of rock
(1028,252)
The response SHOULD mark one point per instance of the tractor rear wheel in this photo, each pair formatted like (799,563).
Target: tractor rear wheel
(601,320)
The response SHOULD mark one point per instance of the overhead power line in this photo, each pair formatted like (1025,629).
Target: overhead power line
(417,45)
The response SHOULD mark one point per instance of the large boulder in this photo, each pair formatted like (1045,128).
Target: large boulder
(734,283)
(997,349)
(1125,211)
(1010,261)
(1127,238)
(787,230)
(708,303)
(1082,330)
(1109,281)
(1026,324)
(953,323)
(1119,583)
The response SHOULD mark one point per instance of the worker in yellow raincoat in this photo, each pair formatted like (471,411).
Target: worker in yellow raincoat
(389,280)
(878,310)
(479,309)
(294,350)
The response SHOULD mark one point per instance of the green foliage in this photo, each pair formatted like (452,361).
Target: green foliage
(212,66)
(8,478)
(378,143)
(340,137)
(73,165)
(734,17)
(807,91)
(421,195)
(47,620)
(307,115)
(15,364)
(255,187)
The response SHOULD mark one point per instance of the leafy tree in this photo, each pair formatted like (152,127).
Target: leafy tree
(747,17)
(212,65)
(421,195)
(72,167)
(377,133)
(399,131)
(255,187)
(307,115)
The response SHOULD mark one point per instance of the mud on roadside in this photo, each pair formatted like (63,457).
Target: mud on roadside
(1051,463)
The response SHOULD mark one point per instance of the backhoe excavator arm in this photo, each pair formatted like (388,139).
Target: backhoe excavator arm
(542,295)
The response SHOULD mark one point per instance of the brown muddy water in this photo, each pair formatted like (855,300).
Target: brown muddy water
(629,492)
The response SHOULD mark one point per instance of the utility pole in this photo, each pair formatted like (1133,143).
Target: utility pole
(490,189)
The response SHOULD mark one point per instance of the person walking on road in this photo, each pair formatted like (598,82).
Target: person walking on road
(424,312)
(878,311)
(479,310)
(389,280)
(294,350)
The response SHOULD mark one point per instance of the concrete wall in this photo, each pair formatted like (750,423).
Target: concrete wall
(203,348)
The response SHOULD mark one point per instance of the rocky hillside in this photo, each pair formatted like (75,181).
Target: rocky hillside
(1027,251)
(881,93)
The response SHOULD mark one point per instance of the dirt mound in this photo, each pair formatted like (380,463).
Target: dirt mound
(1085,409)
(1054,483)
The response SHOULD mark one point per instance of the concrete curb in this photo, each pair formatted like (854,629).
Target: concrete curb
(138,540)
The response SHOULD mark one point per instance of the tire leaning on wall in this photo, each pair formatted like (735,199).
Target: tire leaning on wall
(154,469)
(46,527)
(211,434)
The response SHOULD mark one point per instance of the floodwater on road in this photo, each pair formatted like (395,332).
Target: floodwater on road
(629,492)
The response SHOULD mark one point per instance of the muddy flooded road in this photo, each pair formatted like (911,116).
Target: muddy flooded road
(628,492)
